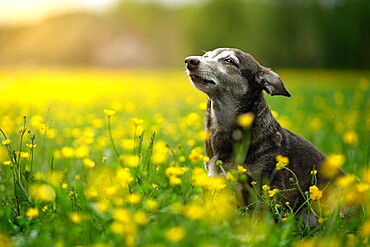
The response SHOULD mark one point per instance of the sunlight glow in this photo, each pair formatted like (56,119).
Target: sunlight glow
(23,11)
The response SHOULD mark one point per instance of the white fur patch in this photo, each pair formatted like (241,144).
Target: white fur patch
(212,55)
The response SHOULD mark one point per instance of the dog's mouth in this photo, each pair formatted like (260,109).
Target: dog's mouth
(198,79)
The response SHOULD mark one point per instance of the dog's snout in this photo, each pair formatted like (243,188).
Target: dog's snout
(192,62)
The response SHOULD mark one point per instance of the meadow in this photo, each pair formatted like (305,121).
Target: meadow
(115,158)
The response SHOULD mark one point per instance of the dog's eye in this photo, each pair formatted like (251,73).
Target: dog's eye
(231,61)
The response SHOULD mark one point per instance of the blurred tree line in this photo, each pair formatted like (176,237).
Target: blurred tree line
(284,33)
(279,33)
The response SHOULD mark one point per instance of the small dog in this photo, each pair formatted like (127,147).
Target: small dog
(234,83)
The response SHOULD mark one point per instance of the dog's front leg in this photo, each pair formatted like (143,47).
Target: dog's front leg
(211,167)
(215,169)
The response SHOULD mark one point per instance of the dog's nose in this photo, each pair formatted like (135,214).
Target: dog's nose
(192,62)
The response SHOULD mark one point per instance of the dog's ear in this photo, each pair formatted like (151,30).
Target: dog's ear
(271,82)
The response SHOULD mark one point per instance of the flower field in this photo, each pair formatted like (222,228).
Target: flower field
(115,158)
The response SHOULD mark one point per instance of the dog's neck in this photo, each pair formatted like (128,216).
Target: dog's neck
(221,121)
(262,113)
(225,111)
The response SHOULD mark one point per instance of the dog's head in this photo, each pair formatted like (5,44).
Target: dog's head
(231,71)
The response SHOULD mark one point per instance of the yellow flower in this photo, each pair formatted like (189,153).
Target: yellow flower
(82,151)
(75,218)
(24,155)
(88,163)
(366,229)
(174,180)
(315,193)
(366,176)
(245,120)
(122,215)
(241,169)
(346,180)
(124,176)
(175,234)
(43,192)
(173,174)
(110,190)
(196,154)
(190,142)
(141,218)
(321,220)
(280,166)
(102,206)
(194,211)
(230,177)
(31,146)
(131,160)
(199,177)
(362,187)
(282,161)
(204,135)
(202,106)
(7,163)
(191,119)
(137,121)
(67,152)
(152,205)
(350,138)
(205,158)
(32,212)
(6,141)
(159,157)
(109,112)
(128,144)
(216,183)
(160,151)
(332,164)
(56,178)
(273,192)
(72,193)
(265,187)
(134,198)
(313,172)
(117,227)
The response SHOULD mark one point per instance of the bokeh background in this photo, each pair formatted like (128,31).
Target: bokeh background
(102,134)
(331,34)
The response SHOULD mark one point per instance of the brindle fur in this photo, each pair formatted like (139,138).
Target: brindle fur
(235,87)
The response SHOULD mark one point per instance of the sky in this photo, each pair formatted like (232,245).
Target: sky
(27,11)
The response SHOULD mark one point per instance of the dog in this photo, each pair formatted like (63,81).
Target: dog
(234,83)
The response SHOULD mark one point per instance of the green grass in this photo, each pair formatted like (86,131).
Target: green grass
(114,181)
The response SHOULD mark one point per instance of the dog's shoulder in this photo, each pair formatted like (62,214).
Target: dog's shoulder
(303,156)
(300,147)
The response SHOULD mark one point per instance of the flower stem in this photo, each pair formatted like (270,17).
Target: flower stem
(112,141)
